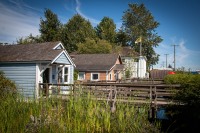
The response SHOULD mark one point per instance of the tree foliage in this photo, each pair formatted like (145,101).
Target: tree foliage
(76,31)
(137,22)
(50,27)
(29,39)
(106,30)
(121,38)
(91,46)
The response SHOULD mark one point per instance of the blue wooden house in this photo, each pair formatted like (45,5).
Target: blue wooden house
(31,64)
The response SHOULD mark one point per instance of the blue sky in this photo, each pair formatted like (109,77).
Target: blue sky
(179,22)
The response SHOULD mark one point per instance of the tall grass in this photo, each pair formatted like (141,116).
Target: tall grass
(77,114)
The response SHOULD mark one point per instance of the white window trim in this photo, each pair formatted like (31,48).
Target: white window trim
(110,76)
(83,76)
(67,74)
(63,68)
(95,79)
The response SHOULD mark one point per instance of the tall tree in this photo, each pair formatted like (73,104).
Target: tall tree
(106,29)
(76,31)
(139,22)
(50,27)
(91,46)
(121,38)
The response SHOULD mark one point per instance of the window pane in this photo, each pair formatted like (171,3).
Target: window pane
(66,70)
(81,76)
(95,76)
(66,78)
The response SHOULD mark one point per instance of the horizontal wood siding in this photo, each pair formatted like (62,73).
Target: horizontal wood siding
(24,76)
(101,74)
(63,59)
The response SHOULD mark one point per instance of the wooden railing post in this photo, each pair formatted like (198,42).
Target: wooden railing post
(47,90)
(150,94)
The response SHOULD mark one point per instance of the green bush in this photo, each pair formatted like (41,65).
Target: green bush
(6,86)
(185,117)
(189,92)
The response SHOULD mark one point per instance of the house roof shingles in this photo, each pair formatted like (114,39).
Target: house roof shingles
(95,62)
(29,52)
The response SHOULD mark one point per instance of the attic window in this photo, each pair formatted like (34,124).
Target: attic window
(59,46)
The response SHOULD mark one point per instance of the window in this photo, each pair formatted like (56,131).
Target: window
(110,76)
(63,74)
(94,76)
(81,75)
(66,74)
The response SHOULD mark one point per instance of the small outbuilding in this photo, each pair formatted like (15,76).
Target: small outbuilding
(31,64)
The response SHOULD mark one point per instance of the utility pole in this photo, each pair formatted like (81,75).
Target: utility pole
(175,56)
(166,59)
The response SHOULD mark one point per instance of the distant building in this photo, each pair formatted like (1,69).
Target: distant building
(134,63)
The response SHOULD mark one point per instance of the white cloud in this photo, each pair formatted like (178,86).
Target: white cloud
(17,21)
(78,9)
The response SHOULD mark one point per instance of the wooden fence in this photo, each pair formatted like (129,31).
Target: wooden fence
(155,94)
(151,94)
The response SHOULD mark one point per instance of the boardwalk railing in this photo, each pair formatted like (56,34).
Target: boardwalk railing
(156,94)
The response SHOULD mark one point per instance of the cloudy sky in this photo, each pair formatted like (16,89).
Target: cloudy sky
(179,22)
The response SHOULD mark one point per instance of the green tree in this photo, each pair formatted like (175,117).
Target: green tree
(29,39)
(106,29)
(137,22)
(50,27)
(76,31)
(92,46)
(121,38)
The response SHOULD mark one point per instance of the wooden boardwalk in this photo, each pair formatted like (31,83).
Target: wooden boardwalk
(155,94)
(148,93)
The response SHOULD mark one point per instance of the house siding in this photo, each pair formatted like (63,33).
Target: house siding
(101,74)
(24,76)
(54,74)
(62,59)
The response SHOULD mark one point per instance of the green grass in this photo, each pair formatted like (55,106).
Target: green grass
(77,114)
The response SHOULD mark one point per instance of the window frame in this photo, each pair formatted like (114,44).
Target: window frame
(64,74)
(95,79)
(83,75)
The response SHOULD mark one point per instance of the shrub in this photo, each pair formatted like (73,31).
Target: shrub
(6,86)
(190,87)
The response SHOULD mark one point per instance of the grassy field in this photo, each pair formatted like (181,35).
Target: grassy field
(78,114)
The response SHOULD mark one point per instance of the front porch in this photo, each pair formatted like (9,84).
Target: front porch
(58,90)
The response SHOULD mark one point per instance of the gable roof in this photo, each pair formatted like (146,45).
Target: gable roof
(48,51)
(95,62)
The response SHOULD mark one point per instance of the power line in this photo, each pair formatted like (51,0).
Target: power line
(175,56)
